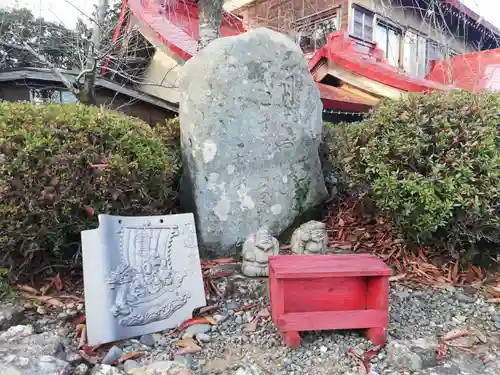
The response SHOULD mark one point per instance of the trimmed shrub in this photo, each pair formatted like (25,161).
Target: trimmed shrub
(432,165)
(61,166)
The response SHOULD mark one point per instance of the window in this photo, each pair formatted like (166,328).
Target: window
(388,40)
(362,26)
(313,33)
(415,54)
(52,95)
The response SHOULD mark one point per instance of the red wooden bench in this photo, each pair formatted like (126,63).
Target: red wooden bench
(323,292)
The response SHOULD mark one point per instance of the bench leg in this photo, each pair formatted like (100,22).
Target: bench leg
(378,299)
(291,339)
(376,335)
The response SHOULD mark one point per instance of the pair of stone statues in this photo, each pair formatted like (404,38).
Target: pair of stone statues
(309,238)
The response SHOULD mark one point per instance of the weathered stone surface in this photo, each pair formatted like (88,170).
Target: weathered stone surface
(9,315)
(257,249)
(412,354)
(251,125)
(400,356)
(141,275)
(22,352)
(113,355)
(310,238)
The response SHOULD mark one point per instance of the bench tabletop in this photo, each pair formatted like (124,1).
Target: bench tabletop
(328,265)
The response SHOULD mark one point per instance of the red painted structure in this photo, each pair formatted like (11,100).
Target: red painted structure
(474,71)
(323,292)
(175,24)
(342,51)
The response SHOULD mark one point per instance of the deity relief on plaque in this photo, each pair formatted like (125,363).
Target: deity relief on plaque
(146,286)
(190,235)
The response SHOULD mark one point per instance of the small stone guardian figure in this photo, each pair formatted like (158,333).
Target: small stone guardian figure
(310,238)
(256,251)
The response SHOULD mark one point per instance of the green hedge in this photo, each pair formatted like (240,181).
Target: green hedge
(52,186)
(432,165)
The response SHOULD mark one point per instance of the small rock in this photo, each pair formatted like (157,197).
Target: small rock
(249,370)
(232,305)
(18,331)
(41,310)
(106,370)
(51,365)
(130,365)
(400,356)
(79,307)
(9,315)
(464,298)
(185,360)
(198,328)
(73,357)
(220,318)
(81,369)
(70,306)
(238,320)
(323,349)
(203,337)
(162,368)
(113,355)
(63,315)
(147,340)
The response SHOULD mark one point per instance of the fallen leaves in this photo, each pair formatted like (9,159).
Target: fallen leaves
(186,342)
(455,334)
(193,321)
(130,355)
(253,322)
(364,366)
(246,307)
(364,362)
(251,326)
(350,231)
(45,299)
(189,350)
(470,342)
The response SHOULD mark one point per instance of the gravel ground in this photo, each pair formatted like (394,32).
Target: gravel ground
(39,342)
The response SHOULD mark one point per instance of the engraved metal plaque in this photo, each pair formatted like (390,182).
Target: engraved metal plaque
(141,275)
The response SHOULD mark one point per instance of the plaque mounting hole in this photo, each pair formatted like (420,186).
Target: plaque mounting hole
(119,221)
(161,221)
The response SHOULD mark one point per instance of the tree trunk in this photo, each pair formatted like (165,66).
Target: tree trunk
(209,21)
(87,89)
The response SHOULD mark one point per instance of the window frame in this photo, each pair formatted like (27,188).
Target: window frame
(398,31)
(307,26)
(418,36)
(365,12)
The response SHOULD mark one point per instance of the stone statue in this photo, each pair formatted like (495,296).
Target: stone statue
(256,251)
(310,238)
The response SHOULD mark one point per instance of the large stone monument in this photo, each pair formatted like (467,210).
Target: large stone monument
(251,126)
(141,275)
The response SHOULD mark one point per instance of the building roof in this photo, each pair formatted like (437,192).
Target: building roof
(46,75)
(457,4)
(339,98)
(177,26)
(341,51)
(474,71)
